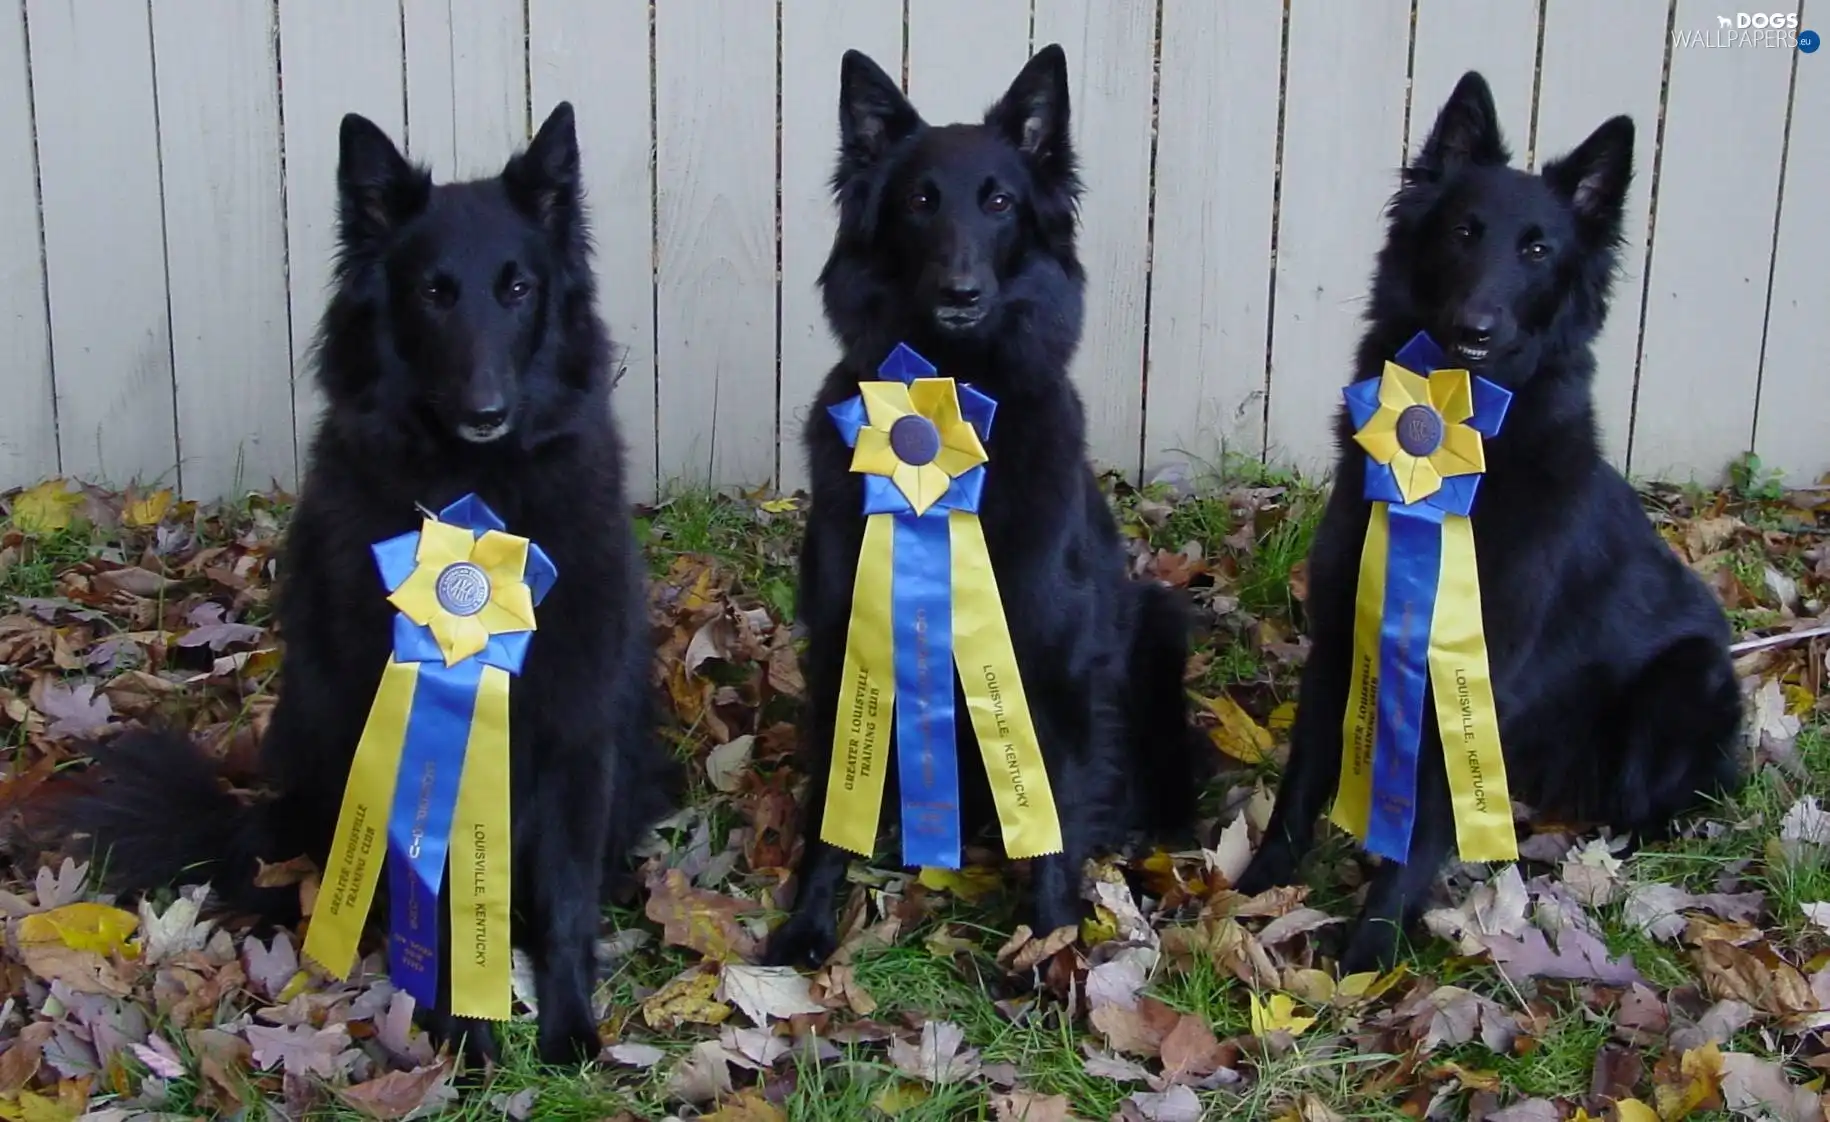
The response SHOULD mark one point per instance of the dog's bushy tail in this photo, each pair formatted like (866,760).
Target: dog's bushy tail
(154,811)
(1171,762)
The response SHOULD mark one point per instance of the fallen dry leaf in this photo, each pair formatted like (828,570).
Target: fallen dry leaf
(766,993)
(1028,1106)
(938,1056)
(1277,1014)
(1237,734)
(698,919)
(400,1094)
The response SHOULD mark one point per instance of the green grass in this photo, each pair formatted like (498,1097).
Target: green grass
(42,558)
(758,545)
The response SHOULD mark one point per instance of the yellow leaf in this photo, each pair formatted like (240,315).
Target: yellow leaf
(782,506)
(687,998)
(295,986)
(899,1096)
(81,927)
(147,510)
(1100,927)
(750,1106)
(1311,985)
(1237,734)
(970,884)
(1799,700)
(1368,986)
(45,509)
(1701,1072)
(32,1107)
(1282,717)
(1277,1015)
(1632,1110)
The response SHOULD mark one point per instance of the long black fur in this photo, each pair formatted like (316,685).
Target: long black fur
(468,304)
(1616,697)
(959,240)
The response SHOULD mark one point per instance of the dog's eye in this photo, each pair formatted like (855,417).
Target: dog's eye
(518,289)
(1536,251)
(920,201)
(438,291)
(1463,233)
(999,203)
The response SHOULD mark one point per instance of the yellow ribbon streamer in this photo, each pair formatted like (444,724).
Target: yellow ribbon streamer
(481,861)
(361,840)
(867,695)
(1466,716)
(995,700)
(1353,798)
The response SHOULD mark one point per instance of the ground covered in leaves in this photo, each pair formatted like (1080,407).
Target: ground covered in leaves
(1691,980)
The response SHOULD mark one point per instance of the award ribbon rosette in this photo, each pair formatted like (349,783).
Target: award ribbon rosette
(1417,616)
(431,772)
(925,600)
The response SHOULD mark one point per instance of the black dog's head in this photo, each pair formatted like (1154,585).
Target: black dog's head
(452,300)
(1496,262)
(949,220)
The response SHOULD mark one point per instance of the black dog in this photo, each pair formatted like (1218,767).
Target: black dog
(1617,701)
(959,241)
(460,353)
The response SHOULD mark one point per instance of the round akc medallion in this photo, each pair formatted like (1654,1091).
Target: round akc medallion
(915,440)
(463,589)
(1420,430)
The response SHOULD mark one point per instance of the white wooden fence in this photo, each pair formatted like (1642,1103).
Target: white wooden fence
(167,171)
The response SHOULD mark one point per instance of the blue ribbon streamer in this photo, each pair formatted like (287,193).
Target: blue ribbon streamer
(1412,568)
(432,754)
(927,757)
(921,605)
(419,825)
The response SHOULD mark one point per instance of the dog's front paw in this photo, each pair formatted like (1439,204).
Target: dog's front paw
(568,1038)
(472,1039)
(1273,866)
(808,938)
(1373,948)
(1051,915)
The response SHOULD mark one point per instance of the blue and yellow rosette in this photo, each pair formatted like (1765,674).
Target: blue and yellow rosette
(1417,617)
(926,601)
(430,778)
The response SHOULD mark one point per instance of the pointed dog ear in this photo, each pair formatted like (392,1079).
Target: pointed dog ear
(873,115)
(377,189)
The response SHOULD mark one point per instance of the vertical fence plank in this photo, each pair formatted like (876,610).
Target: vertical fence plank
(815,35)
(28,424)
(1600,60)
(104,239)
(337,57)
(1111,53)
(225,232)
(963,54)
(596,56)
(1499,38)
(1792,431)
(1712,254)
(715,290)
(1343,135)
(466,84)
(1216,173)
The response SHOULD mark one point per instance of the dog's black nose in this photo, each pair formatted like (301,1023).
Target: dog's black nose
(960,292)
(1476,329)
(492,416)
